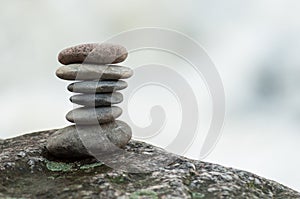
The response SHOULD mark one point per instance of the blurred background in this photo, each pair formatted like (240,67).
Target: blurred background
(254,45)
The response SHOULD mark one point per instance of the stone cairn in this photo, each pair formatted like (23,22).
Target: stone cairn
(98,79)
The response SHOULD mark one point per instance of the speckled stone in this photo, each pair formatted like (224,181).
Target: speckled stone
(104,53)
(97,86)
(88,178)
(86,115)
(93,72)
(95,100)
(78,141)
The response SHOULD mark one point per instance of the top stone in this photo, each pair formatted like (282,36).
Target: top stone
(96,53)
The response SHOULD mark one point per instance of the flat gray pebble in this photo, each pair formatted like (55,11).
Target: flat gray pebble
(93,72)
(87,115)
(96,100)
(104,86)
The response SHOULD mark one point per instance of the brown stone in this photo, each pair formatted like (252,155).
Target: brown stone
(104,53)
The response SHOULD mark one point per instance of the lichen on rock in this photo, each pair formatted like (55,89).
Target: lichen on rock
(28,171)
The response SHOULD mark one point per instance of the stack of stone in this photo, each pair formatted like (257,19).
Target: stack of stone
(97,80)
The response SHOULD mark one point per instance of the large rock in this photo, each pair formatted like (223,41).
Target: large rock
(79,141)
(104,53)
(27,171)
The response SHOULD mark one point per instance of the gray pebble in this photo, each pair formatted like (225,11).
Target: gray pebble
(104,53)
(76,141)
(97,86)
(95,100)
(86,115)
(21,154)
(93,72)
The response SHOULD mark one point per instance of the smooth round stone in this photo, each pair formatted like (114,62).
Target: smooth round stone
(93,72)
(86,115)
(97,86)
(104,53)
(94,100)
(81,141)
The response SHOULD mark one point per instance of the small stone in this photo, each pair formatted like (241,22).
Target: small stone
(21,154)
(85,115)
(76,141)
(97,87)
(95,100)
(93,72)
(257,181)
(104,53)
(9,164)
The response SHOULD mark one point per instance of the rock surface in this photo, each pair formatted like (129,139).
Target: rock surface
(27,171)
(104,53)
(86,115)
(71,141)
(97,87)
(93,72)
(95,100)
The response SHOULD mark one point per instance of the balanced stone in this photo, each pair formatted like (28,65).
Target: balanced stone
(105,86)
(104,53)
(97,132)
(93,72)
(95,100)
(80,141)
(86,115)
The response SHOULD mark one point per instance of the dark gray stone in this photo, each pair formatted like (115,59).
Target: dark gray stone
(86,115)
(104,86)
(104,53)
(78,141)
(39,175)
(96,100)
(93,72)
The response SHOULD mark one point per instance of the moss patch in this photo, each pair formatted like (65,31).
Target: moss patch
(144,194)
(65,167)
(197,195)
(59,166)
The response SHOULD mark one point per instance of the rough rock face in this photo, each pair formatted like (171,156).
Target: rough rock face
(27,171)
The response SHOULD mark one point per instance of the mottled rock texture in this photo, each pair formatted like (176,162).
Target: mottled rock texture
(104,53)
(27,171)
